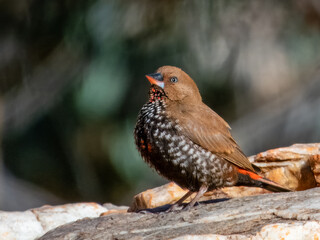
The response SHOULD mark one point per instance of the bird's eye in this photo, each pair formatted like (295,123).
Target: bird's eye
(174,79)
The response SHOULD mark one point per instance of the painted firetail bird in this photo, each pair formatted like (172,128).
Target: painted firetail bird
(187,142)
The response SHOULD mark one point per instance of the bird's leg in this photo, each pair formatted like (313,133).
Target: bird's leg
(203,189)
(179,202)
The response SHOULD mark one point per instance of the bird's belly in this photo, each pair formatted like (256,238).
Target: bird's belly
(178,159)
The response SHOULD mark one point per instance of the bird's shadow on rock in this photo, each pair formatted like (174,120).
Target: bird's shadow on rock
(165,208)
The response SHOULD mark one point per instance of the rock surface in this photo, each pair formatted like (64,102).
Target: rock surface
(290,166)
(294,215)
(33,223)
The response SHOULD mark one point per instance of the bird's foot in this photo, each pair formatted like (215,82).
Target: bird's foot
(175,207)
(181,207)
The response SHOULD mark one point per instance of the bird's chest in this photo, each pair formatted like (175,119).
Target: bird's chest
(154,131)
(159,140)
(163,145)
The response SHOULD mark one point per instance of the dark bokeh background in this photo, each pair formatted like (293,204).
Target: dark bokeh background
(72,83)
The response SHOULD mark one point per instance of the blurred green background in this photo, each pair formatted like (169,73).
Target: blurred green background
(72,83)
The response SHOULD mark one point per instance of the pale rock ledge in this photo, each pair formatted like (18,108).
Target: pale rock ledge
(249,213)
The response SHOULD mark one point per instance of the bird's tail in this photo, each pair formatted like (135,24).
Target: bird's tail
(248,178)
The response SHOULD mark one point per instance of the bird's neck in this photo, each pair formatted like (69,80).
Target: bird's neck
(156,94)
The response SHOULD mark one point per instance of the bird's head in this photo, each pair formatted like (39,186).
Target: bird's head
(174,84)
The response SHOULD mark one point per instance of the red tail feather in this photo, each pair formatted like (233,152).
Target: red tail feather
(263,182)
(252,175)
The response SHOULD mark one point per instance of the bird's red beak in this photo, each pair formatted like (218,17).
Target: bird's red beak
(156,78)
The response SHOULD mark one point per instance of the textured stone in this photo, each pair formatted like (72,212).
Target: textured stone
(53,216)
(29,225)
(289,166)
(19,226)
(211,237)
(166,194)
(288,231)
(113,209)
(294,231)
(293,215)
(315,167)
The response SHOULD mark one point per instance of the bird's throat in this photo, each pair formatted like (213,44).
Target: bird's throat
(156,94)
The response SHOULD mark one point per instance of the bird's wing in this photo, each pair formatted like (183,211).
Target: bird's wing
(206,128)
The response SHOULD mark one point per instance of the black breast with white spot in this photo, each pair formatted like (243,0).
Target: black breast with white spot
(163,146)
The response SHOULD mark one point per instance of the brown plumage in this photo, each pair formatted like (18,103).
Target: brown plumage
(187,142)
